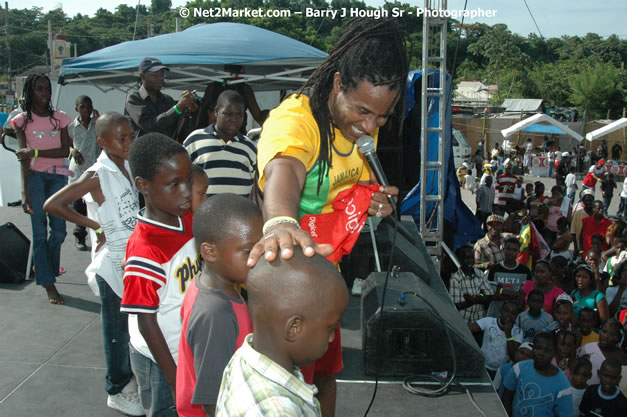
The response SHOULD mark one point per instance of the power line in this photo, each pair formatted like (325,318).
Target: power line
(533,18)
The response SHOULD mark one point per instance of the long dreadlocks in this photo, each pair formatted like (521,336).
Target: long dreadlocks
(28,92)
(371,50)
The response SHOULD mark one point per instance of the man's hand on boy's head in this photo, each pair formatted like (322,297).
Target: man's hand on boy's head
(283,237)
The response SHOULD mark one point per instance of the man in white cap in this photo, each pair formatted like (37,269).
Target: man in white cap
(152,111)
(505,185)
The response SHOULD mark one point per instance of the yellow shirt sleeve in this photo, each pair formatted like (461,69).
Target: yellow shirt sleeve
(291,131)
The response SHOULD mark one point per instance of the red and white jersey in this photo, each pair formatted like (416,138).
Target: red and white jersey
(161,262)
(589,180)
(505,186)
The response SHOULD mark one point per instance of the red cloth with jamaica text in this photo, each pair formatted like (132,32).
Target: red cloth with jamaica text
(341,227)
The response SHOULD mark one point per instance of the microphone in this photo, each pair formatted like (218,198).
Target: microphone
(365,145)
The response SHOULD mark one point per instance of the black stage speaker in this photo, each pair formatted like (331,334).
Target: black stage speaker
(14,252)
(410,254)
(413,340)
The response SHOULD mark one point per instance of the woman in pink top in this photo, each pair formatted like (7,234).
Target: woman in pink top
(542,281)
(44,144)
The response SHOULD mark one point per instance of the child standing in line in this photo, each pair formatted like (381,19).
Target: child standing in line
(84,150)
(200,183)
(533,319)
(112,204)
(161,262)
(296,305)
(44,144)
(501,337)
(581,372)
(215,317)
(605,399)
(536,387)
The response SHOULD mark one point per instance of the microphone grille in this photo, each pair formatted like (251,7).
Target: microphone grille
(365,144)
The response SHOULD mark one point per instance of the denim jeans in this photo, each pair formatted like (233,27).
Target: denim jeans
(606,203)
(46,247)
(116,339)
(154,390)
(622,207)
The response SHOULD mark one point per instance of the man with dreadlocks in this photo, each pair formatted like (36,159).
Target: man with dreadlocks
(307,153)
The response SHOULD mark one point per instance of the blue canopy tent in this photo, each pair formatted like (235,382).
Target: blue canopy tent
(465,226)
(229,53)
(546,129)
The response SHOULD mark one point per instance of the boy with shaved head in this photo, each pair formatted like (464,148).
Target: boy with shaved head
(296,304)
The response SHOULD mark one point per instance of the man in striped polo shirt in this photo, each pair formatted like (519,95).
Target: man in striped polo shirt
(228,157)
(505,186)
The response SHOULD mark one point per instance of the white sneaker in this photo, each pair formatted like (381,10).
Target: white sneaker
(127,401)
(357,284)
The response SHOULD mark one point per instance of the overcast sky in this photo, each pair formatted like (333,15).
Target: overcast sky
(553,17)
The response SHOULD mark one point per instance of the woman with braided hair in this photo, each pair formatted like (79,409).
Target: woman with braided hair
(307,152)
(44,144)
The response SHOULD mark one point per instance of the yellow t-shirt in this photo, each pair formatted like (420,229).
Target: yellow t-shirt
(291,130)
(591,338)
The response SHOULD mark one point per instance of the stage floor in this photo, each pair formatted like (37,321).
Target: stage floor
(52,361)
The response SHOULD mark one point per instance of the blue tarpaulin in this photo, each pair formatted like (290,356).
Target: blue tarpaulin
(205,52)
(464,223)
(547,129)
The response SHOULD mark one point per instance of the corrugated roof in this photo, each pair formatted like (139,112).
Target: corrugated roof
(529,105)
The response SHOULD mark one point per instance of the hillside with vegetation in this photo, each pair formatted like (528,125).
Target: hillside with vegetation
(586,72)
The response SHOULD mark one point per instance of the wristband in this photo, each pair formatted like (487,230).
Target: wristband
(36,153)
(98,230)
(501,291)
(278,220)
(176,109)
(511,339)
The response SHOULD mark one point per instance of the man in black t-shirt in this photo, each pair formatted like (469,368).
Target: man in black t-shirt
(507,277)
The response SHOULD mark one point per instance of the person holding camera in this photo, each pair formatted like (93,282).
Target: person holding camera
(152,111)
(228,158)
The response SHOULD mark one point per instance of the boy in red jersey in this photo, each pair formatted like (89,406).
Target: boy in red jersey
(161,261)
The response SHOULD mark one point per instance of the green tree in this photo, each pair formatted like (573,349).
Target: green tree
(160,6)
(500,48)
(598,90)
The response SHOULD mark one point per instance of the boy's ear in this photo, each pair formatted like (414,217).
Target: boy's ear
(142,184)
(100,142)
(293,328)
(208,251)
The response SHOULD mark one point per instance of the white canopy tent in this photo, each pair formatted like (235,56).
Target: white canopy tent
(537,118)
(596,134)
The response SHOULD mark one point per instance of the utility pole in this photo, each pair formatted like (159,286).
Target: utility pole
(6,34)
